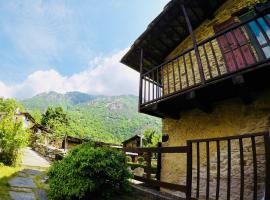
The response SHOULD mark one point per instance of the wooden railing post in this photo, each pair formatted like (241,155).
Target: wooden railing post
(148,167)
(195,45)
(158,174)
(141,79)
(189,170)
(267,165)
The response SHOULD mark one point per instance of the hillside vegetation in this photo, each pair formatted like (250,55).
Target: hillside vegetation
(101,118)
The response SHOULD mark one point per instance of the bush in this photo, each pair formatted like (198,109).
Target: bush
(128,159)
(13,137)
(88,173)
(141,160)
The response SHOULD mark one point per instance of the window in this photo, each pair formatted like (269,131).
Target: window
(259,32)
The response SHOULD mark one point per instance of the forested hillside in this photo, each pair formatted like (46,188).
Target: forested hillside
(103,118)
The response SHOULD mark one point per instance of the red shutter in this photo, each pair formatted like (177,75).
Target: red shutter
(235,46)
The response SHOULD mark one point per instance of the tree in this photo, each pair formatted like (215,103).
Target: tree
(56,120)
(10,105)
(13,137)
(151,137)
(36,114)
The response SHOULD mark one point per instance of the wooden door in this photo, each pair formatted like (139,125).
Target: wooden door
(235,46)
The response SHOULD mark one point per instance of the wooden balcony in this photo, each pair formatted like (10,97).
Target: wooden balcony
(228,64)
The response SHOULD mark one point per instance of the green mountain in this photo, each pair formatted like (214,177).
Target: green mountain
(101,118)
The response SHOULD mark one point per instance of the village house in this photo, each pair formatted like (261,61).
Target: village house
(204,69)
(26,119)
(134,142)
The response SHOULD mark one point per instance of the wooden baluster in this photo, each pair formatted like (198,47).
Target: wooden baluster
(207,61)
(229,171)
(215,57)
(192,67)
(255,179)
(267,165)
(148,160)
(179,73)
(207,169)
(153,85)
(173,77)
(185,65)
(242,173)
(189,170)
(218,170)
(198,171)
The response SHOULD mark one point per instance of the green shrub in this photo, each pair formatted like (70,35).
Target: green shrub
(128,159)
(13,137)
(141,160)
(88,173)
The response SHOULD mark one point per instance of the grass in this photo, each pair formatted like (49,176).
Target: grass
(5,174)
(37,180)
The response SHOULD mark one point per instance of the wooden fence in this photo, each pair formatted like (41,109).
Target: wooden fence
(192,150)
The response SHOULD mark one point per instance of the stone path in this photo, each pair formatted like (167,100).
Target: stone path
(33,159)
(23,186)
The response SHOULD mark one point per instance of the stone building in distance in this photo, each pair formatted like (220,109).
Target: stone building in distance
(204,69)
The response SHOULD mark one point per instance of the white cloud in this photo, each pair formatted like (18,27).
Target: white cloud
(105,75)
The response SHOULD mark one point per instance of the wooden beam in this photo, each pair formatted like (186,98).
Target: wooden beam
(180,149)
(194,44)
(199,102)
(242,89)
(157,183)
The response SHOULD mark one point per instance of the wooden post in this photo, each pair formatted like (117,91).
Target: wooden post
(189,170)
(159,164)
(194,44)
(140,84)
(267,167)
(149,167)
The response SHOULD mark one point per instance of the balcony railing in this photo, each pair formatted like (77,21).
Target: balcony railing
(243,46)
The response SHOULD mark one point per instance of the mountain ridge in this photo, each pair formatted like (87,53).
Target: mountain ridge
(103,118)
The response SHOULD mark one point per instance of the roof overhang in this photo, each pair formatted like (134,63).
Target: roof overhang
(167,31)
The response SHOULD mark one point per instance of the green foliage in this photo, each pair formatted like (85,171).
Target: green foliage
(10,105)
(56,120)
(99,118)
(88,172)
(151,137)
(36,114)
(13,137)
(140,160)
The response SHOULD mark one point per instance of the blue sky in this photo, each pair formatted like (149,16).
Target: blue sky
(70,45)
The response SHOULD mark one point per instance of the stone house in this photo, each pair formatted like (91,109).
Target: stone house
(25,117)
(204,69)
(134,142)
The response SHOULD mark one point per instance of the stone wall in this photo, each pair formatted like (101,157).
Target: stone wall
(230,117)
(48,152)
